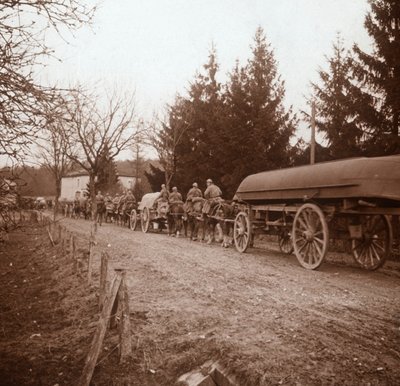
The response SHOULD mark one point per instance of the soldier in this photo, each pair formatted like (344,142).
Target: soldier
(162,199)
(100,207)
(212,194)
(194,192)
(164,194)
(175,196)
(99,198)
(116,200)
(108,199)
(130,199)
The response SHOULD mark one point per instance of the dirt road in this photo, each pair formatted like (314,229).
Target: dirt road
(268,319)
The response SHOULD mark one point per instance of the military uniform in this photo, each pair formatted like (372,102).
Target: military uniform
(193,192)
(175,196)
(130,201)
(164,194)
(212,192)
(99,199)
(213,196)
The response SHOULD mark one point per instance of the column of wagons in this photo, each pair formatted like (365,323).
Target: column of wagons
(305,207)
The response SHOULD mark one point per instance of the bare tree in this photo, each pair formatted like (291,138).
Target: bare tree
(94,128)
(53,147)
(23,25)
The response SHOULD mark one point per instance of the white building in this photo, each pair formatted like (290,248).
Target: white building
(74,184)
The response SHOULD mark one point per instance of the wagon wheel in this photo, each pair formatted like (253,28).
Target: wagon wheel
(242,232)
(285,242)
(372,249)
(133,220)
(310,236)
(145,220)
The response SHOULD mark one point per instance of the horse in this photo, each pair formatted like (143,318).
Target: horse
(110,211)
(224,213)
(175,215)
(126,212)
(194,217)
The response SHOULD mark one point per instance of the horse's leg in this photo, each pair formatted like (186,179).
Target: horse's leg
(169,221)
(178,225)
(209,227)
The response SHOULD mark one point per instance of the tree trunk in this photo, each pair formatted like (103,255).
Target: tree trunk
(92,189)
(57,199)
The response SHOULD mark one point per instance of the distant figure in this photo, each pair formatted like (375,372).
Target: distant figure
(100,207)
(175,196)
(164,194)
(130,199)
(194,192)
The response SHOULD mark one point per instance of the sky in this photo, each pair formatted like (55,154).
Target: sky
(155,47)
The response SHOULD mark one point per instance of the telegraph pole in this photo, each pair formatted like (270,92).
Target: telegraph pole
(312,145)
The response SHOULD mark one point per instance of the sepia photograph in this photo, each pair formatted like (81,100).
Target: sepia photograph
(199,192)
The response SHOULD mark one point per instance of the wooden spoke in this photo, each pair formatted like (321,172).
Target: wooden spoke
(242,232)
(310,236)
(133,220)
(372,249)
(145,220)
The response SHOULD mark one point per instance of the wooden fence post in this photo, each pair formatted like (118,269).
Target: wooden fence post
(90,260)
(125,343)
(59,233)
(49,233)
(98,338)
(72,247)
(103,278)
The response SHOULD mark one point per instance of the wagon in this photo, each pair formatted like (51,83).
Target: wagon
(150,216)
(307,206)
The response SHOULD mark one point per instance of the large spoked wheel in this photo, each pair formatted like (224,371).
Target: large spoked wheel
(145,220)
(242,232)
(373,247)
(310,236)
(285,242)
(133,220)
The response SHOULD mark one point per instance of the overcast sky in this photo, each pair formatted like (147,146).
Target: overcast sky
(156,46)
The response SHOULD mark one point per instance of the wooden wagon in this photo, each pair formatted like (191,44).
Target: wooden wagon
(152,216)
(307,206)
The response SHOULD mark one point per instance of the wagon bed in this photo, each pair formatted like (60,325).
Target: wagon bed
(362,178)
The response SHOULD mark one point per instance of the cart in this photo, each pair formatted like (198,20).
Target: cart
(307,206)
(153,216)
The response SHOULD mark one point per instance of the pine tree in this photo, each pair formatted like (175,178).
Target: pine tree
(199,150)
(379,77)
(259,127)
(107,179)
(156,177)
(336,111)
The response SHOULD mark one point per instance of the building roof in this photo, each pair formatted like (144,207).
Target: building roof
(121,172)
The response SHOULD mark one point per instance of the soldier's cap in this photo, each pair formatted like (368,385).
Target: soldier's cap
(209,180)
(195,184)
(175,189)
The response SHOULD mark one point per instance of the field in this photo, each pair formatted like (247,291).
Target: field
(269,321)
